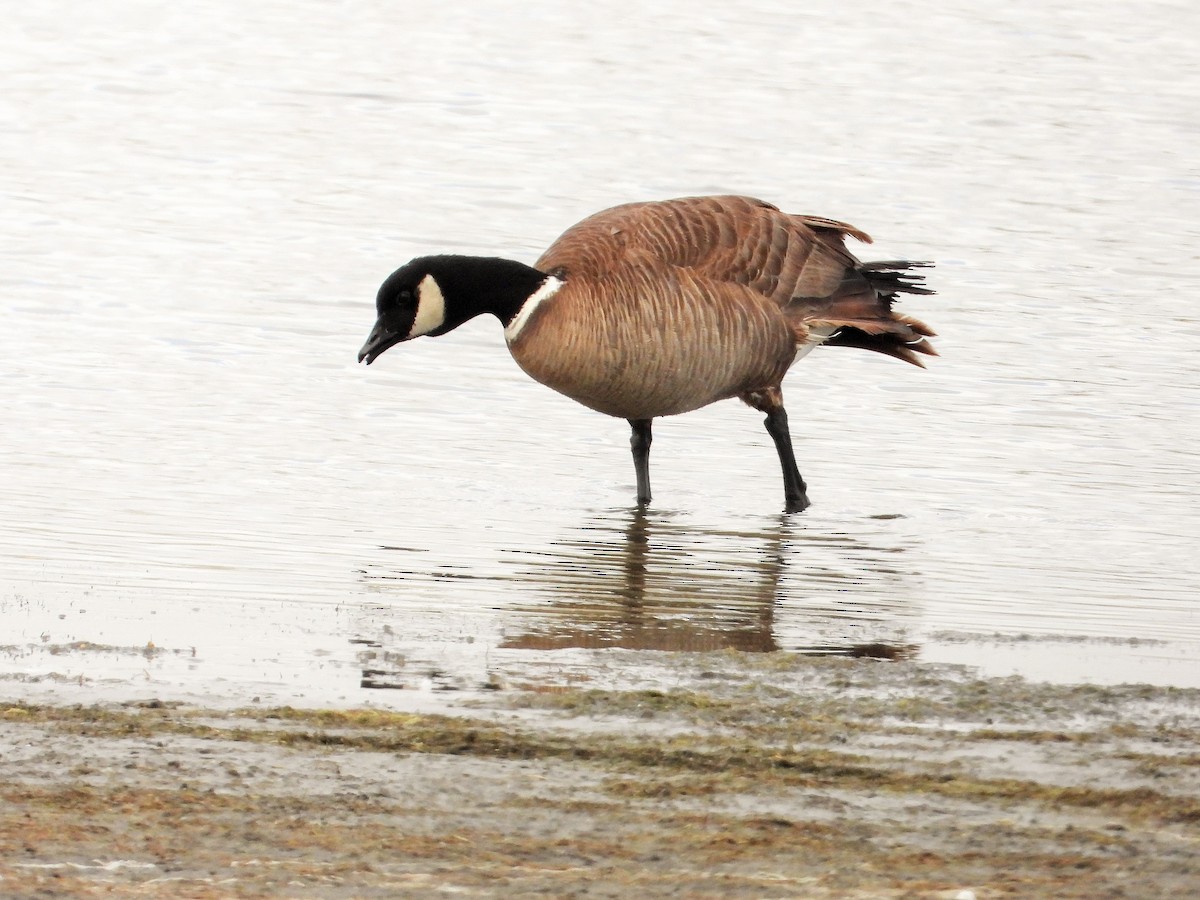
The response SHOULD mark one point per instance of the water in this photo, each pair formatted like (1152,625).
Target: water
(203,492)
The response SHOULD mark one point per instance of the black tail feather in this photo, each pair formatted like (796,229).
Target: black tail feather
(906,336)
(893,276)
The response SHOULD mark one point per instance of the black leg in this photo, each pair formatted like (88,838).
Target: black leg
(795,493)
(770,401)
(639,442)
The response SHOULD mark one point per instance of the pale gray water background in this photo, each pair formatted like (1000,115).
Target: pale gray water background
(203,494)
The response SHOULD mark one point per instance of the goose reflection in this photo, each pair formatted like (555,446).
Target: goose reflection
(649,583)
(642,581)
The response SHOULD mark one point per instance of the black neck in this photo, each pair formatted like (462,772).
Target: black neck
(474,285)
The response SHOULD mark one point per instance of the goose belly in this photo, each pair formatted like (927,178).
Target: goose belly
(639,362)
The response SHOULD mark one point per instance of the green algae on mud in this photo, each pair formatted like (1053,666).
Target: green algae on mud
(785,775)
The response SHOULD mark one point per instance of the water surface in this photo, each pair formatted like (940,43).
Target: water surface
(203,492)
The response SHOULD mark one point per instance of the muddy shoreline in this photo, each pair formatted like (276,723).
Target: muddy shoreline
(751,776)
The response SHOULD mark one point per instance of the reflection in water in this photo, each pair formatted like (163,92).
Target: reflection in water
(648,582)
(642,580)
(644,586)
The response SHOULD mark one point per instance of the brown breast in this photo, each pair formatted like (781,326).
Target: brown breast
(670,306)
(641,347)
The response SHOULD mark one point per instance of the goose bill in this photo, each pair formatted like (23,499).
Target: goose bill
(380,339)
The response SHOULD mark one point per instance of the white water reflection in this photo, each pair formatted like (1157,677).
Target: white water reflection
(197,205)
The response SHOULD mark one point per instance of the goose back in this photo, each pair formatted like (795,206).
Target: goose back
(669,306)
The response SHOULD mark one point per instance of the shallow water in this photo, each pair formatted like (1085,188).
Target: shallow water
(204,493)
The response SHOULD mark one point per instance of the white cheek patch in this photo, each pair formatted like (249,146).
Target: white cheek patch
(431,308)
(548,289)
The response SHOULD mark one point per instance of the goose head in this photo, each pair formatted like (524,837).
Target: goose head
(435,294)
(410,303)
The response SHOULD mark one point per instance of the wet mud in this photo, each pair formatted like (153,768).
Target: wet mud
(750,776)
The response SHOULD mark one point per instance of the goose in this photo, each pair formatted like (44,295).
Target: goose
(659,308)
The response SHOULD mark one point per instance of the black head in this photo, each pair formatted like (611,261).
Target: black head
(435,294)
(410,303)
